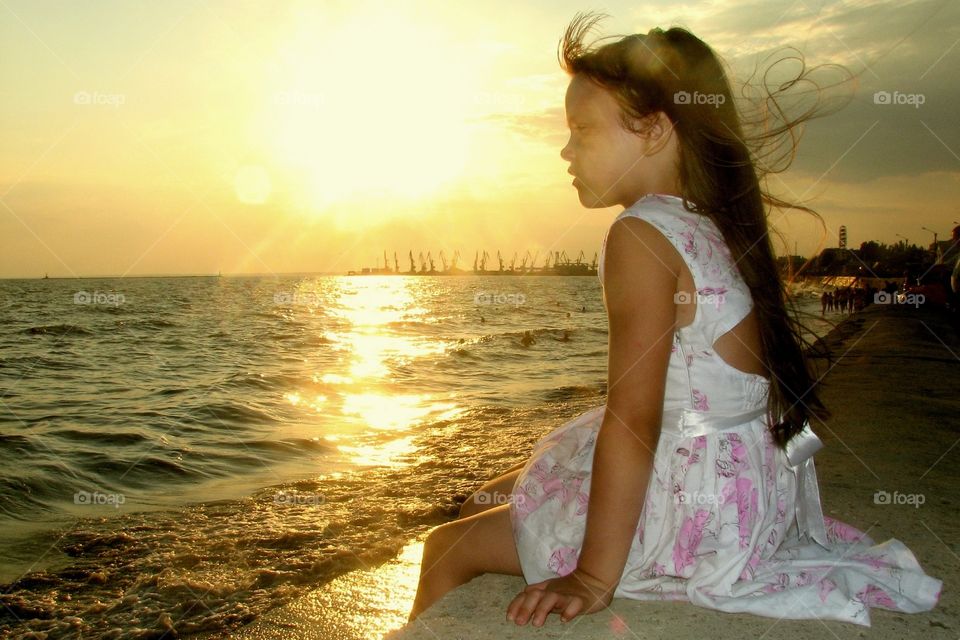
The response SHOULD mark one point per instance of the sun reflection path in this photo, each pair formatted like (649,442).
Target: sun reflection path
(372,311)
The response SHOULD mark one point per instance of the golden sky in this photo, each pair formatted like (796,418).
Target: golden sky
(288,136)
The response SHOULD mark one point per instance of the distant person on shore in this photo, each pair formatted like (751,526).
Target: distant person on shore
(840,300)
(824,301)
(697,472)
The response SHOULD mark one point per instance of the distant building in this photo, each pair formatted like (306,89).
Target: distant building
(948,250)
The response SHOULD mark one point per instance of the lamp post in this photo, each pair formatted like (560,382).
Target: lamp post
(936,248)
(905,241)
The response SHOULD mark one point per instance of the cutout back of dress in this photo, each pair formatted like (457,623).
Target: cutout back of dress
(697,377)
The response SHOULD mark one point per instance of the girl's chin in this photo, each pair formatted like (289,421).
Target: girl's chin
(590,201)
(588,197)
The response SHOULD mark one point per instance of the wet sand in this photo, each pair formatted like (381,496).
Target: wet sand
(896,427)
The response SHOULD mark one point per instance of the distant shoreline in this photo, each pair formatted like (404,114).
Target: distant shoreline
(340,273)
(277,275)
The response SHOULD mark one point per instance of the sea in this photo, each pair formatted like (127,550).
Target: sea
(179,455)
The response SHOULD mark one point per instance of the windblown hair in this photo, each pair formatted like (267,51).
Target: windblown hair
(722,171)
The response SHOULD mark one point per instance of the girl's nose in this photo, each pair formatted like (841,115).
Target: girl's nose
(565,152)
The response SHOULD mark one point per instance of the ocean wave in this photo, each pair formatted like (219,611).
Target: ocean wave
(122,438)
(287,446)
(226,413)
(561,394)
(146,323)
(58,330)
(267,382)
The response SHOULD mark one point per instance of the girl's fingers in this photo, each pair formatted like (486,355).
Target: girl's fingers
(547,603)
(517,603)
(510,608)
(527,605)
(514,605)
(574,606)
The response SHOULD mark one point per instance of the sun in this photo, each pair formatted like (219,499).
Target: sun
(370,104)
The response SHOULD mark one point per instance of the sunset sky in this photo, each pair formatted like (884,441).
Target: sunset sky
(270,137)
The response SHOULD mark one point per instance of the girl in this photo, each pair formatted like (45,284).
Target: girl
(682,486)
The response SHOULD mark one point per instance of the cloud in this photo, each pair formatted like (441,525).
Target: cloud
(543,125)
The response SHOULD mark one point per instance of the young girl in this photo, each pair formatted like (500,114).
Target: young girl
(682,486)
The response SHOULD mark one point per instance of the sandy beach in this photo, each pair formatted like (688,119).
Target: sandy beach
(892,390)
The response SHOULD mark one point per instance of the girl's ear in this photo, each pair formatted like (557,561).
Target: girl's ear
(655,129)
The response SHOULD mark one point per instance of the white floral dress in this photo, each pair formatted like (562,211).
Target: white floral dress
(730,521)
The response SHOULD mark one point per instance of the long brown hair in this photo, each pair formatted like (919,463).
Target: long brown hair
(722,172)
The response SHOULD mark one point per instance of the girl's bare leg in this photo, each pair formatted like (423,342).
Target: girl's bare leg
(457,552)
(491,494)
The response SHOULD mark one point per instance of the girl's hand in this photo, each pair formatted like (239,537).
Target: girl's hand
(575,593)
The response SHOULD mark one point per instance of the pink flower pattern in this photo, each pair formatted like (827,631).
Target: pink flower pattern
(563,561)
(700,402)
(824,587)
(688,540)
(746,509)
(874,596)
(842,532)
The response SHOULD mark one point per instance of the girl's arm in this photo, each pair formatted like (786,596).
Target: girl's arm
(640,279)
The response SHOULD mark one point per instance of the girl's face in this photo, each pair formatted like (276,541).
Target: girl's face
(611,165)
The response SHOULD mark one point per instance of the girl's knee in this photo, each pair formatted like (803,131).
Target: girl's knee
(441,538)
(492,493)
(444,546)
(451,534)
(473,505)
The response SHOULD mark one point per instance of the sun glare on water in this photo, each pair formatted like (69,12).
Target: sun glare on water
(377,423)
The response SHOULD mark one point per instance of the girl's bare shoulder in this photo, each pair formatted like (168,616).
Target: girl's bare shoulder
(639,240)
